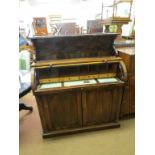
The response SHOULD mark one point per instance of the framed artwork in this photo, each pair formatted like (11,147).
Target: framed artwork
(40,27)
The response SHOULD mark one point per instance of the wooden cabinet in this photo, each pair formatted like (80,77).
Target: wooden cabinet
(128,102)
(78,82)
(79,110)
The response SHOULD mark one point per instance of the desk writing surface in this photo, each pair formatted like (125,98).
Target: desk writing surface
(107,80)
(81,82)
(50,85)
(77,83)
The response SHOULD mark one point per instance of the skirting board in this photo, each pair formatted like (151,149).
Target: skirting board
(82,129)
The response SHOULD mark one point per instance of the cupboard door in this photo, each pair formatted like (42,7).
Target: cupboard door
(61,110)
(101,105)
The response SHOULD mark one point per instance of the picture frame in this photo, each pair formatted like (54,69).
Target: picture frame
(40,26)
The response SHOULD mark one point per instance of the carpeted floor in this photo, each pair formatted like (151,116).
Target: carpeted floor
(118,141)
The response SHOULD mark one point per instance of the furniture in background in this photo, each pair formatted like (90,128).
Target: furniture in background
(116,19)
(24,74)
(60,26)
(68,28)
(94,26)
(119,21)
(25,88)
(53,21)
(128,102)
(78,82)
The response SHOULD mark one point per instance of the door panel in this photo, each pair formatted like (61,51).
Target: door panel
(62,110)
(101,105)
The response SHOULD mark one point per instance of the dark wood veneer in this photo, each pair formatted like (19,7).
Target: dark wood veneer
(73,109)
